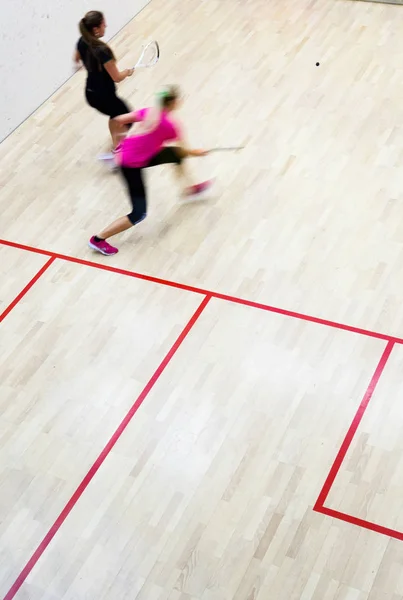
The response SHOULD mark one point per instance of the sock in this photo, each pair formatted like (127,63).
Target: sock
(97,239)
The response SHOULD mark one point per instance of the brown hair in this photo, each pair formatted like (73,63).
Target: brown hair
(168,95)
(93,18)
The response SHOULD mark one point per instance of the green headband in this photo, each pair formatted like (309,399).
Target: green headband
(162,94)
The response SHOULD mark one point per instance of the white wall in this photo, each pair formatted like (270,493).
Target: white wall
(37,39)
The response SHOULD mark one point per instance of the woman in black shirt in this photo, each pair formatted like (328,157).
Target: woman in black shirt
(103,72)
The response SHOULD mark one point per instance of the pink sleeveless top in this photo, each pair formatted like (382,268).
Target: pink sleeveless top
(137,150)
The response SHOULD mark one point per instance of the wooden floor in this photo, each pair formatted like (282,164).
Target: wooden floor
(215,412)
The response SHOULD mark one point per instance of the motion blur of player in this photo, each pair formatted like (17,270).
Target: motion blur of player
(148,147)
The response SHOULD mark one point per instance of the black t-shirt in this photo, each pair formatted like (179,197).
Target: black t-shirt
(98,79)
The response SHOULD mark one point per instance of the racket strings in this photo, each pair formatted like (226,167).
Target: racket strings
(149,55)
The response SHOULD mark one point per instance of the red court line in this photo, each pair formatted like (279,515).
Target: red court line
(398,535)
(319,505)
(219,296)
(103,455)
(26,288)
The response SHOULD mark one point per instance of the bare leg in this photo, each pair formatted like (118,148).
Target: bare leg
(189,188)
(117,131)
(134,181)
(182,174)
(116,227)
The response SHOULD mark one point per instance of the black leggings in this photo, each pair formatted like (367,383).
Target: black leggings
(135,184)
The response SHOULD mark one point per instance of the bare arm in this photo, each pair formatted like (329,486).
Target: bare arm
(126,119)
(117,76)
(77,60)
(189,151)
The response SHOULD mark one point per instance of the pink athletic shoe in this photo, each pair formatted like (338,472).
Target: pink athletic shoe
(103,247)
(199,188)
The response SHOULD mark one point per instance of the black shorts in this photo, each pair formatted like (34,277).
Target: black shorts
(107,104)
(167,156)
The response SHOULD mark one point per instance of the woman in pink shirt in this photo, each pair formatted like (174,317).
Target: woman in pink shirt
(147,148)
